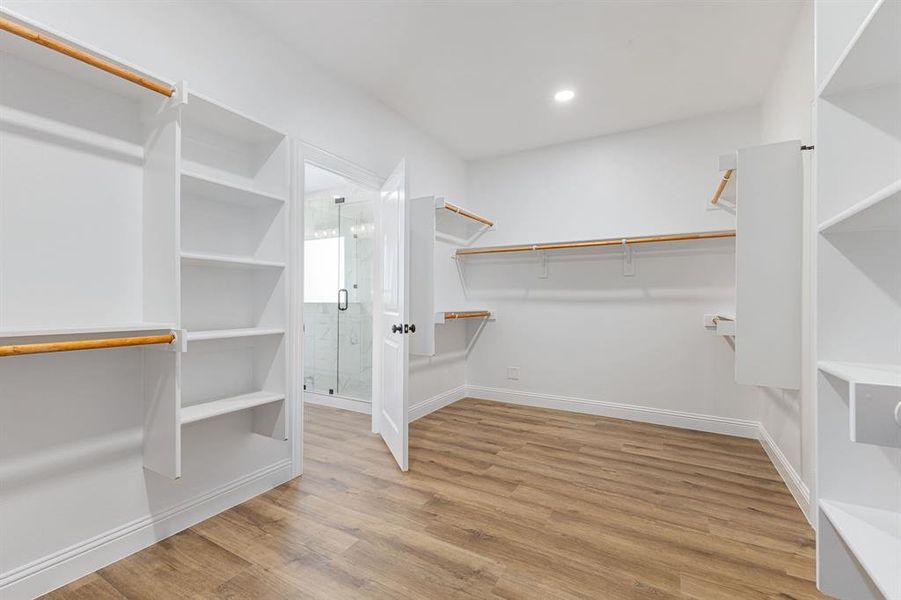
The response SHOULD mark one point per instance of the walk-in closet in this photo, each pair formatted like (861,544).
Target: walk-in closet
(481,300)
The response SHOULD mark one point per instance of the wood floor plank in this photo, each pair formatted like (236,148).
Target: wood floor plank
(501,502)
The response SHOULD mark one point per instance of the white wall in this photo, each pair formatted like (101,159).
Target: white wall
(587,335)
(786,111)
(221,54)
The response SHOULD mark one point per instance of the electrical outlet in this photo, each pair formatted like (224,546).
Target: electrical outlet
(513,373)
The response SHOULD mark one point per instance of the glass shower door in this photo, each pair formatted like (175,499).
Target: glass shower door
(338,298)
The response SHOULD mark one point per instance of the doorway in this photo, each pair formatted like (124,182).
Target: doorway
(339,230)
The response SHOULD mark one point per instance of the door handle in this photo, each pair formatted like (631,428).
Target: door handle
(411,328)
(342,304)
(397,329)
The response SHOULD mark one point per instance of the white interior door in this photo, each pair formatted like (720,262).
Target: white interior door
(392,335)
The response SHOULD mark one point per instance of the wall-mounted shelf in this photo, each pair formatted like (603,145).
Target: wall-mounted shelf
(457,224)
(124,328)
(224,406)
(447,316)
(874,538)
(545,246)
(234,262)
(871,59)
(720,324)
(879,212)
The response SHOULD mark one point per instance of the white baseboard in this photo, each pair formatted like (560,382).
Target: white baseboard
(792,479)
(360,406)
(67,565)
(644,414)
(430,405)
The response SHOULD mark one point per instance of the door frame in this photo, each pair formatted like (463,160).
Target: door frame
(307,153)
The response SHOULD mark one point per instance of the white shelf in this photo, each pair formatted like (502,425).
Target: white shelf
(224,406)
(872,58)
(224,334)
(874,537)
(195,184)
(212,115)
(860,373)
(879,212)
(86,330)
(443,317)
(222,260)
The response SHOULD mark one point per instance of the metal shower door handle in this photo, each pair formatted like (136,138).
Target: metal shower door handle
(342,302)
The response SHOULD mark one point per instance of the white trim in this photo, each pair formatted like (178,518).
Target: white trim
(430,405)
(352,404)
(793,481)
(725,425)
(67,565)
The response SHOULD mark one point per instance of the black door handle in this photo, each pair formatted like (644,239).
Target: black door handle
(411,328)
(342,304)
(397,329)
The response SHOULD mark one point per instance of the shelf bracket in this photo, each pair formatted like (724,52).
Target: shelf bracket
(628,260)
(542,263)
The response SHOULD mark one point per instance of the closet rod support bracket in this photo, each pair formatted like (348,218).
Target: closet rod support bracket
(628,260)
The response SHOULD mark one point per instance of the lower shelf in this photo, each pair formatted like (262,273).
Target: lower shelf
(222,334)
(874,538)
(224,406)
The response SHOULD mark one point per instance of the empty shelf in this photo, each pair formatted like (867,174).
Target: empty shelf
(441,203)
(86,330)
(443,317)
(871,59)
(223,260)
(215,408)
(874,537)
(223,334)
(869,374)
(195,184)
(881,211)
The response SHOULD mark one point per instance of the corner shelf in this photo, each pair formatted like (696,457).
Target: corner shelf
(224,334)
(874,538)
(225,261)
(868,61)
(207,186)
(880,211)
(224,406)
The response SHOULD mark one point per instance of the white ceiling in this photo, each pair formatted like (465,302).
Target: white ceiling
(480,76)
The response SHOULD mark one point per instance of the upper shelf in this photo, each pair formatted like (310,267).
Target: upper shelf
(444,317)
(58,52)
(870,374)
(881,211)
(225,261)
(459,224)
(677,237)
(121,328)
(873,57)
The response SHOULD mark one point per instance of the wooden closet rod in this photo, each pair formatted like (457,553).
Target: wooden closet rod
(465,213)
(85,57)
(472,314)
(595,243)
(42,348)
(721,186)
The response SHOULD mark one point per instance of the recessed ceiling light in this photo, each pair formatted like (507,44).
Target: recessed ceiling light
(564,95)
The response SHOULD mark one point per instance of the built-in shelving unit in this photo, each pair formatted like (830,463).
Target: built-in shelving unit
(858,298)
(235,182)
(434,220)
